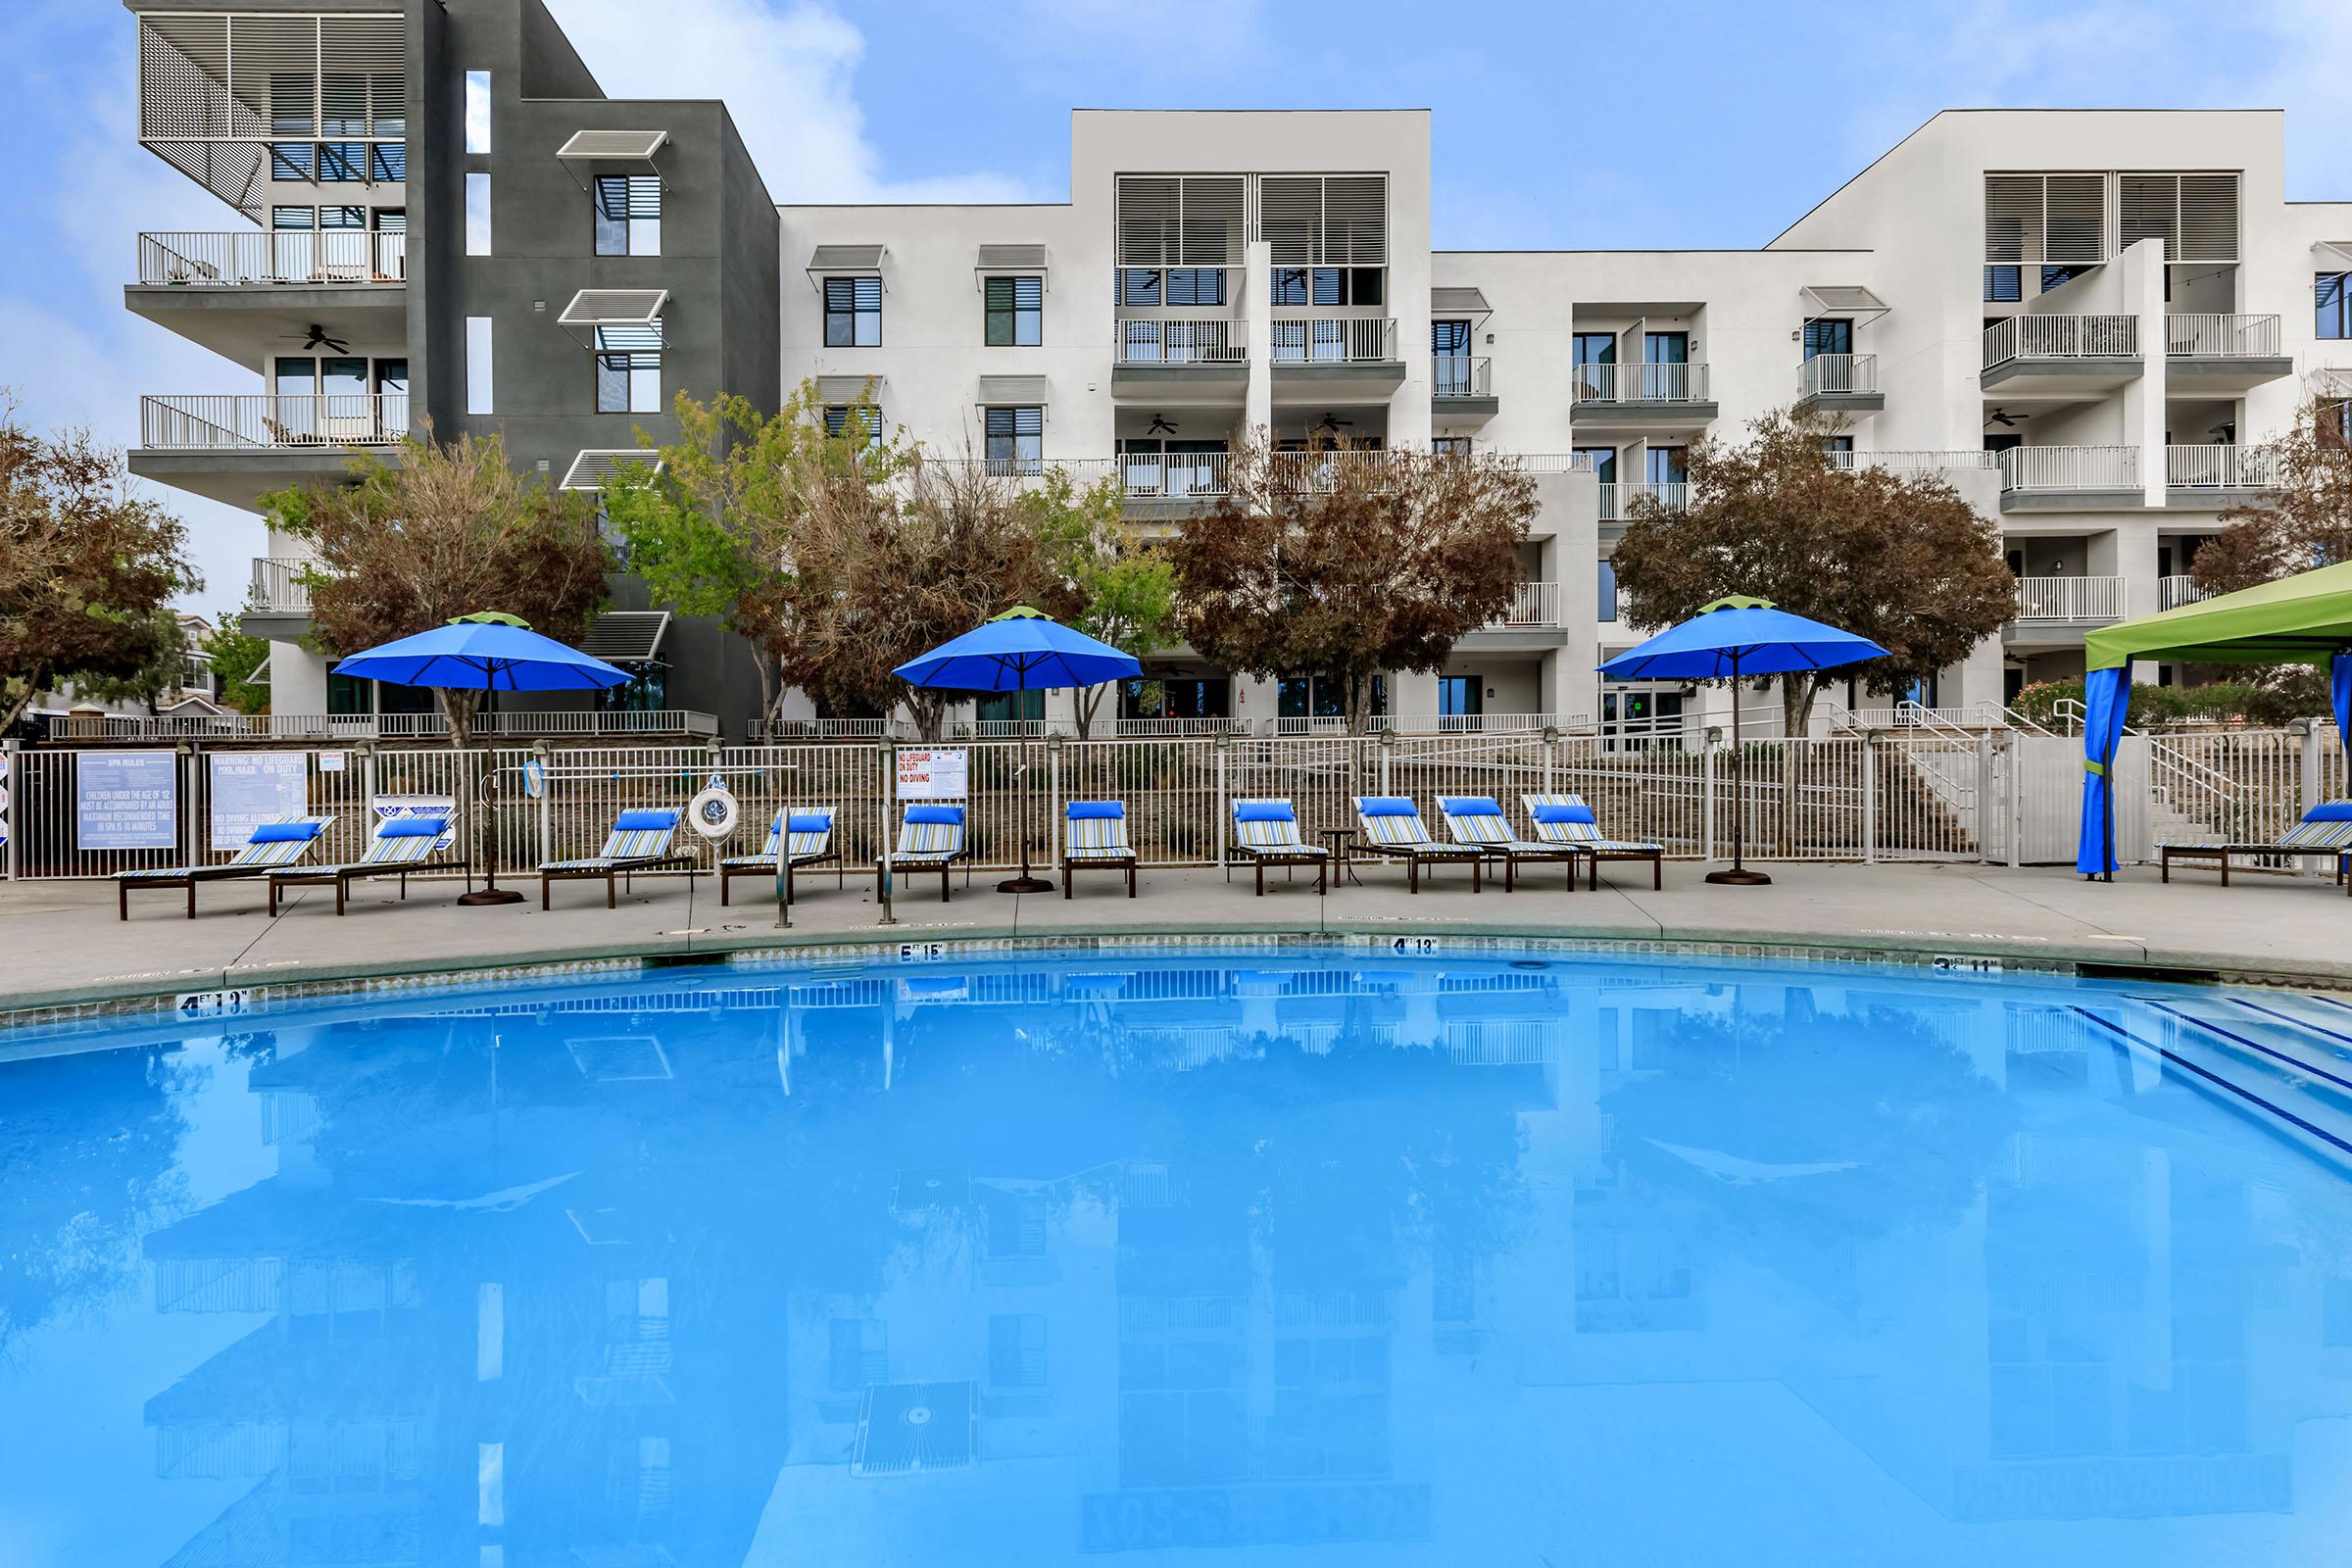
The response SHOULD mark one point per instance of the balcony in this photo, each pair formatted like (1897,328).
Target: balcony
(2069,601)
(1661,398)
(2059,358)
(240,293)
(2069,478)
(1841,383)
(337,256)
(1462,389)
(2208,478)
(1617,500)
(1536,617)
(2174,592)
(1197,354)
(233,447)
(279,588)
(1325,359)
(2223,353)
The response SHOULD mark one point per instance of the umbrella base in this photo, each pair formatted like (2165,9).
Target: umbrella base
(484,896)
(1025,884)
(1740,877)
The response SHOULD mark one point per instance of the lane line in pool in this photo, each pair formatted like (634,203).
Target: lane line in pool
(2290,1020)
(2216,1080)
(2296,1063)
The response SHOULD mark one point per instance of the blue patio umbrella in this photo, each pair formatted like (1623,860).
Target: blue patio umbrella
(485,652)
(1022,650)
(1733,639)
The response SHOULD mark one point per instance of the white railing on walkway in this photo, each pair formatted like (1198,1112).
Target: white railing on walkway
(1911,458)
(2070,469)
(2221,468)
(1838,375)
(2174,592)
(2069,599)
(1334,340)
(278,585)
(1640,384)
(1174,476)
(1454,375)
(2220,337)
(2061,337)
(377,726)
(205,422)
(1176,728)
(1181,341)
(228,260)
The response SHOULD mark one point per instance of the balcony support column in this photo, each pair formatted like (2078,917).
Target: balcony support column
(2142,276)
(1255,297)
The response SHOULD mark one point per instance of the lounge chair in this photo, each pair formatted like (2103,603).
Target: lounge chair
(931,836)
(1479,820)
(639,842)
(1393,826)
(1265,832)
(807,841)
(1567,819)
(2325,829)
(401,845)
(272,845)
(1095,838)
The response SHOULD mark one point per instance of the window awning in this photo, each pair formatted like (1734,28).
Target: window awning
(595,467)
(591,149)
(997,391)
(625,636)
(2335,253)
(1002,259)
(848,389)
(1455,302)
(1841,298)
(615,318)
(838,260)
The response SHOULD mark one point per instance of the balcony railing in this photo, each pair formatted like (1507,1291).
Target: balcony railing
(374,726)
(1334,340)
(1838,375)
(1533,604)
(1178,728)
(2221,468)
(1181,340)
(1640,383)
(1173,476)
(1909,458)
(209,422)
(1617,500)
(2174,592)
(2070,469)
(2222,338)
(1454,375)
(252,257)
(2061,337)
(277,584)
(2069,599)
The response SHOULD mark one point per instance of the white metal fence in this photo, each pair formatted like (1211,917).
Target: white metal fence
(2197,335)
(2070,468)
(210,421)
(1919,792)
(2214,466)
(1640,384)
(229,259)
(2061,337)
(1838,375)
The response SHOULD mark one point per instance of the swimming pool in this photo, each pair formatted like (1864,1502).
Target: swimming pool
(1176,1258)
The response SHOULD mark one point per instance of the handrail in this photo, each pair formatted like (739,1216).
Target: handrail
(1181,340)
(2061,337)
(2198,335)
(1640,384)
(1451,376)
(1838,375)
(1333,340)
(208,422)
(229,259)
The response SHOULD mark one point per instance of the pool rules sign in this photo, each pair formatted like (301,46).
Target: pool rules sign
(934,775)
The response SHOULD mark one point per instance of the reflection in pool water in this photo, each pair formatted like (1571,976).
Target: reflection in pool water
(1455,1262)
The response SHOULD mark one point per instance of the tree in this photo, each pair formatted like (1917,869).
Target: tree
(447,530)
(711,529)
(163,674)
(87,568)
(1120,587)
(2304,523)
(237,659)
(1346,563)
(1899,557)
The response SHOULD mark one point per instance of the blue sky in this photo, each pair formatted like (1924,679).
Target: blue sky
(1556,124)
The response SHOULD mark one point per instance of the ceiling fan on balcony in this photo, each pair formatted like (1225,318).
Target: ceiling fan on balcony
(317,338)
(1161,424)
(2004,416)
(1330,425)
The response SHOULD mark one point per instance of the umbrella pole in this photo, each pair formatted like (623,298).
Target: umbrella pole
(490,892)
(1024,883)
(1739,876)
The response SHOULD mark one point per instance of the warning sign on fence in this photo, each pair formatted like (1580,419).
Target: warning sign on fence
(934,775)
(125,801)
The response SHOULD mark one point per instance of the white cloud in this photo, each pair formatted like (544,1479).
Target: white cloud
(787,78)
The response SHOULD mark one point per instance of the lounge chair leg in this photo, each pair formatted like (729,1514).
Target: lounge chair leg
(1261,878)
(1322,877)
(2164,865)
(1658,874)
(1477,869)
(192,897)
(1412,873)
(272,898)
(543,882)
(1131,879)
(121,900)
(342,886)
(611,901)
(722,887)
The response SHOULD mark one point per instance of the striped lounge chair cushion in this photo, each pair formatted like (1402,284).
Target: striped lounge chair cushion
(2325,826)
(1269,827)
(1477,819)
(399,841)
(930,833)
(1096,830)
(808,837)
(273,844)
(1391,821)
(1567,819)
(643,835)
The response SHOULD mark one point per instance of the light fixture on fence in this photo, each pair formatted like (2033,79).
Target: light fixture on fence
(1552,734)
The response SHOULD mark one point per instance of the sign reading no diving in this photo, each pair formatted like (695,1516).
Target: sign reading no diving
(934,775)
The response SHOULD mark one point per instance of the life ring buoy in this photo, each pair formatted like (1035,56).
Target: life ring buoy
(713,812)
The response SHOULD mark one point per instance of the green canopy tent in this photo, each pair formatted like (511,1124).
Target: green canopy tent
(2303,619)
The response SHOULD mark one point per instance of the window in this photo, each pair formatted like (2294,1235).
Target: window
(477,365)
(1667,465)
(852,313)
(387,161)
(2331,292)
(1603,460)
(1329,285)
(1827,336)
(860,421)
(1148,286)
(477,214)
(628,368)
(477,111)
(341,161)
(1015,312)
(1460,696)
(1594,349)
(1666,348)
(1838,448)
(1016,440)
(1450,445)
(2053,276)
(2003,286)
(628,215)
(1607,609)
(1016,1350)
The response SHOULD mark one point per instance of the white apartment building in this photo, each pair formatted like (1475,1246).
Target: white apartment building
(2088,321)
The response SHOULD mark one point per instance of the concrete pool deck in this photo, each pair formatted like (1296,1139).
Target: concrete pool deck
(64,946)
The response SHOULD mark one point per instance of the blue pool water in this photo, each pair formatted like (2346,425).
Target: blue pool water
(1254,1259)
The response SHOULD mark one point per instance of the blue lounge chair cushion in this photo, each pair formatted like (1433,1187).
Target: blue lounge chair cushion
(282,832)
(1563,813)
(809,822)
(640,821)
(1083,810)
(2330,811)
(1468,806)
(950,814)
(1263,812)
(412,827)
(1387,805)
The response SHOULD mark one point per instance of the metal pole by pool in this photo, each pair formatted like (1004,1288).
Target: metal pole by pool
(1739,876)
